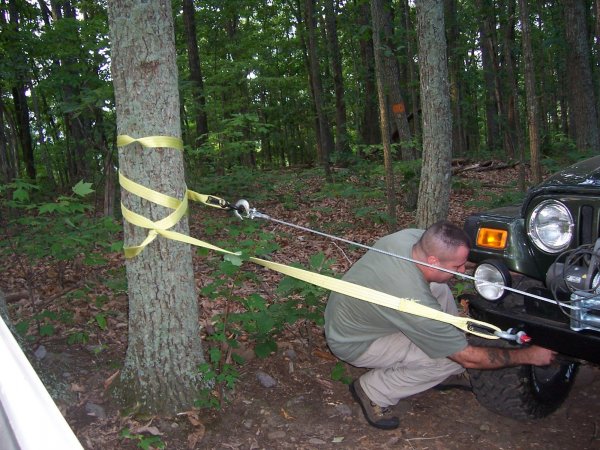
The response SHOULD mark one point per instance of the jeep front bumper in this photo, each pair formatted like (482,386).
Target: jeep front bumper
(554,333)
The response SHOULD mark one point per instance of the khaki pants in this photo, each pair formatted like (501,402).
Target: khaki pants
(400,368)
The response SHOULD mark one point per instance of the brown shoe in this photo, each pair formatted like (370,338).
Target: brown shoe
(460,381)
(378,416)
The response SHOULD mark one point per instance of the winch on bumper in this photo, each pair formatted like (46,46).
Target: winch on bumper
(563,311)
(538,271)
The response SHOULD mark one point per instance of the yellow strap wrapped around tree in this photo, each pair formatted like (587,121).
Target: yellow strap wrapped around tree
(151,141)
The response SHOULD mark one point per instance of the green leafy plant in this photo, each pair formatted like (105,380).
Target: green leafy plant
(60,232)
(338,373)
(144,442)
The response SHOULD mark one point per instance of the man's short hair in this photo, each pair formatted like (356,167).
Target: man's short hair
(443,236)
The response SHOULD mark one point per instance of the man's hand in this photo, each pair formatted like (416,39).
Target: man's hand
(495,358)
(539,356)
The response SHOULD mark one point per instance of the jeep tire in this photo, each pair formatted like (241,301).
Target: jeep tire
(522,392)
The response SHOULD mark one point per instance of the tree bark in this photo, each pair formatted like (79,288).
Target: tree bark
(21,106)
(410,63)
(164,349)
(488,56)
(513,133)
(390,74)
(325,137)
(436,172)
(189,22)
(532,102)
(455,66)
(342,146)
(580,86)
(8,162)
(384,126)
(369,130)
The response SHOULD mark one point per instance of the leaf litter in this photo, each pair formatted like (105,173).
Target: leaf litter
(306,408)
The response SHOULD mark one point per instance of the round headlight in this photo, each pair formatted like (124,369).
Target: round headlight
(490,279)
(550,226)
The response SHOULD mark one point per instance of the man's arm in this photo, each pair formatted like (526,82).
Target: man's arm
(495,358)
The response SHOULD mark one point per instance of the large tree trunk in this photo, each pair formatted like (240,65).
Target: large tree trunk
(342,146)
(164,349)
(580,86)
(532,102)
(436,177)
(325,137)
(189,22)
(390,74)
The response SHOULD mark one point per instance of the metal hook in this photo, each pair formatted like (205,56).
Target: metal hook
(242,206)
(511,335)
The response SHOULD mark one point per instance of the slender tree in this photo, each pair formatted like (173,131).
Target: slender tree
(532,102)
(21,105)
(342,147)
(384,126)
(164,349)
(199,103)
(436,177)
(488,58)
(580,86)
(369,131)
(325,137)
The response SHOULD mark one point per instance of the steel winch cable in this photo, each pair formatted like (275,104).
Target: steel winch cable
(242,210)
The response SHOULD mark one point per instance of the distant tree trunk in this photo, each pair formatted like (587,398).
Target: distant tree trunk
(412,79)
(189,22)
(455,66)
(41,135)
(109,183)
(78,125)
(7,161)
(532,102)
(21,106)
(580,86)
(384,125)
(488,54)
(164,350)
(390,74)
(342,145)
(325,136)
(436,175)
(369,129)
(513,131)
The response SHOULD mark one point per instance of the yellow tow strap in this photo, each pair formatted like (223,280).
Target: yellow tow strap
(179,208)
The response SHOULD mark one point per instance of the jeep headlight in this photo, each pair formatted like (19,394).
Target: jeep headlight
(550,226)
(490,279)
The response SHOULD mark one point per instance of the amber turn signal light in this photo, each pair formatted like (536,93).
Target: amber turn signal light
(492,238)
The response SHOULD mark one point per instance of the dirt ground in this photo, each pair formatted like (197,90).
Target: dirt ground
(305,409)
(302,407)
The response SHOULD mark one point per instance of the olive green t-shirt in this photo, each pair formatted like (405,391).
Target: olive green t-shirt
(351,325)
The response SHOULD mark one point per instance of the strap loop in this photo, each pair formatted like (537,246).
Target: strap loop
(151,141)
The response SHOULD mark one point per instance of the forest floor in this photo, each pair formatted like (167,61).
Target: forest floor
(303,407)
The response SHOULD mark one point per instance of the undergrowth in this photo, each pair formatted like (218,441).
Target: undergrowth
(65,233)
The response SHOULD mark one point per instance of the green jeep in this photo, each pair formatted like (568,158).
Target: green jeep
(546,252)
